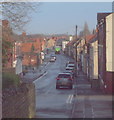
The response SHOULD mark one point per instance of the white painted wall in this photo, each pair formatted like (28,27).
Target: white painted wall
(70,38)
(109,45)
(64,45)
(95,60)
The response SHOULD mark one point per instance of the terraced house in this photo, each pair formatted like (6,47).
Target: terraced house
(105,50)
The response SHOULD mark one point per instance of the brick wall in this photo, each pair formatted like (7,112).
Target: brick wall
(109,82)
(21,103)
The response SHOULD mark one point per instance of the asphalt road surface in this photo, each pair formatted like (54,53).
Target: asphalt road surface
(80,102)
(52,102)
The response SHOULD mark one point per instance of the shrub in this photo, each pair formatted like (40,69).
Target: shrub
(10,79)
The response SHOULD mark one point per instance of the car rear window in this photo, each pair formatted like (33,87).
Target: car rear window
(70,62)
(64,76)
(70,66)
(69,72)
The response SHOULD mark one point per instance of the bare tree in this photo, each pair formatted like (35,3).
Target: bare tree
(18,13)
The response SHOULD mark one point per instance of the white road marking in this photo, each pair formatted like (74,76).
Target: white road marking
(92,112)
(40,77)
(48,63)
(43,74)
(69,100)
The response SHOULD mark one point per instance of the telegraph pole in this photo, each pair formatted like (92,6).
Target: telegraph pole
(76,49)
(75,90)
(76,31)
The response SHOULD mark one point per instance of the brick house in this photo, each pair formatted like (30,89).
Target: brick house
(31,49)
(105,66)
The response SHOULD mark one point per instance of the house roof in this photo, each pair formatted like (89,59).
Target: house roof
(89,37)
(73,41)
(101,16)
(26,47)
(94,38)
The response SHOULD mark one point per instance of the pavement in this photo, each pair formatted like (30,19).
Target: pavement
(32,75)
(90,102)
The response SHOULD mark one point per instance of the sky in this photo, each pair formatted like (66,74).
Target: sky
(62,17)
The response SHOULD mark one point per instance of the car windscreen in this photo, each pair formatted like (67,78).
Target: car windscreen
(64,76)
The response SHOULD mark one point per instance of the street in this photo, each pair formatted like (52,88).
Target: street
(80,102)
(56,60)
(52,103)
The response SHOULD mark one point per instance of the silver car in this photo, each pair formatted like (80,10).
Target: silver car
(64,80)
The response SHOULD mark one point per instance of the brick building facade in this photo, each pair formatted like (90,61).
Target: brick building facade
(104,44)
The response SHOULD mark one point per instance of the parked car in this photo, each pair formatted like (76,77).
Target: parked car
(70,72)
(64,80)
(70,65)
(70,68)
(70,62)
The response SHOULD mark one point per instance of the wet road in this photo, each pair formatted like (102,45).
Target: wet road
(50,102)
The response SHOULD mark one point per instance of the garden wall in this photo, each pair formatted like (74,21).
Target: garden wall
(20,103)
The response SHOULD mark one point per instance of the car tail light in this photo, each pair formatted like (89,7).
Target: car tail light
(57,78)
(70,79)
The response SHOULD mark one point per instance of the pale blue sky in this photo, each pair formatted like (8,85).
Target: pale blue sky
(61,17)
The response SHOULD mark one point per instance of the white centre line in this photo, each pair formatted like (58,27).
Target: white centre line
(69,100)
